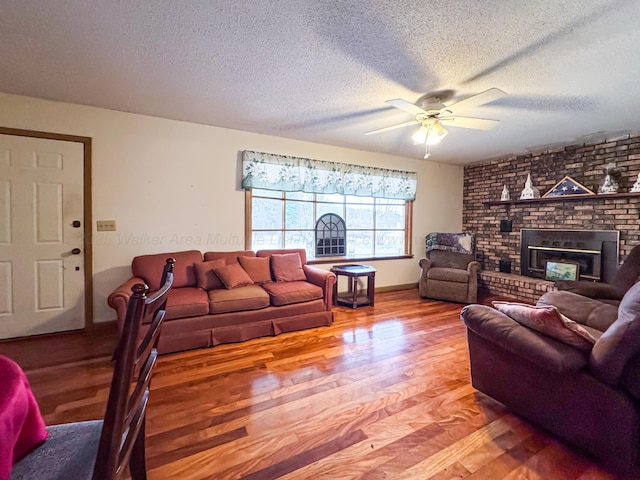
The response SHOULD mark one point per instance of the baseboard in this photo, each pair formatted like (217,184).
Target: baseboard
(394,288)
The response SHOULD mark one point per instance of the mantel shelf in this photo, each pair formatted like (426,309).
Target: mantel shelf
(568,198)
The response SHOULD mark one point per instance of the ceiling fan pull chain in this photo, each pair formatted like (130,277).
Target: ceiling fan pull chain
(427,152)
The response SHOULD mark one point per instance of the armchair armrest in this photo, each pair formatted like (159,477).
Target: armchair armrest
(324,279)
(119,298)
(591,289)
(473,268)
(425,264)
(528,344)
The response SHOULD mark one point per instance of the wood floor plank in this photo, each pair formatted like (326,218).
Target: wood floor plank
(383,393)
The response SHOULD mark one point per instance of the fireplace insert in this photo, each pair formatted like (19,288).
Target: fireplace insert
(595,251)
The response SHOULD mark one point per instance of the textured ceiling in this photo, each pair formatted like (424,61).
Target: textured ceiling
(321,70)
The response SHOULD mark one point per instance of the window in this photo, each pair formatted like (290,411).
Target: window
(376,227)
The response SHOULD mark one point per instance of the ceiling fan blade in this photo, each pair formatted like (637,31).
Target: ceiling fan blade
(469,122)
(392,127)
(406,106)
(476,100)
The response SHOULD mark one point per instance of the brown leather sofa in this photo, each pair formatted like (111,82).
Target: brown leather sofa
(203,310)
(591,399)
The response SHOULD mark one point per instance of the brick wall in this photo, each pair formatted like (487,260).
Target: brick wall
(584,163)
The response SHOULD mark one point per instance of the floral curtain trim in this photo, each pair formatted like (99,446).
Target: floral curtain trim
(292,174)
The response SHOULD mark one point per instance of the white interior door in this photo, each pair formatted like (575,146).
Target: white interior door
(41,236)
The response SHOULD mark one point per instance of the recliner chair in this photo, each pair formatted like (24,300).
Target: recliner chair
(450,270)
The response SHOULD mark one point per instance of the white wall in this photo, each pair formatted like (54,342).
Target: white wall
(136,158)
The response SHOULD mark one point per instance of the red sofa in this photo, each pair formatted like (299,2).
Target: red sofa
(212,301)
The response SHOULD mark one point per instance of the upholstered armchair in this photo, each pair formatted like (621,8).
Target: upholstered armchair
(449,270)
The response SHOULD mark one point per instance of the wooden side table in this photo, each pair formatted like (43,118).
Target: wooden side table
(353,298)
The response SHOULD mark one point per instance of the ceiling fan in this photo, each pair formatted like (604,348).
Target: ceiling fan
(434,113)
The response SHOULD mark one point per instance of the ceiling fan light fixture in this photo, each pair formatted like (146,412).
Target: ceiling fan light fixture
(421,135)
(436,133)
(429,133)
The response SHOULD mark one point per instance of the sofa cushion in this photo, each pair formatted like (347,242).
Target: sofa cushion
(233,275)
(229,257)
(548,321)
(206,277)
(279,251)
(586,311)
(248,297)
(287,293)
(448,274)
(187,302)
(620,342)
(287,267)
(149,268)
(259,269)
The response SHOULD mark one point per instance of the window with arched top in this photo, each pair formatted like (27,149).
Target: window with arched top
(331,235)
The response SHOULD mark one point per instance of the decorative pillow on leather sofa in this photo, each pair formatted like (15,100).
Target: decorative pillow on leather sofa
(287,267)
(258,269)
(206,276)
(550,322)
(620,342)
(233,275)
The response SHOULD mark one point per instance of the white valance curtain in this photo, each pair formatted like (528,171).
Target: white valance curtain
(293,174)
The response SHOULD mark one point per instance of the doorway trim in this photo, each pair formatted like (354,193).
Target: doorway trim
(88,219)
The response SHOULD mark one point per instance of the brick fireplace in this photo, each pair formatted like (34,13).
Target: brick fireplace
(483,212)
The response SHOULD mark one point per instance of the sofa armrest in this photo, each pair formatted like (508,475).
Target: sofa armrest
(119,298)
(528,344)
(325,280)
(591,289)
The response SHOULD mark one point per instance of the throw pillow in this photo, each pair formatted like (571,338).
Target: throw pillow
(233,275)
(257,268)
(620,342)
(206,277)
(550,322)
(287,267)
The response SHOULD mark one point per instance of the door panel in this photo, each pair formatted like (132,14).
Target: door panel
(41,194)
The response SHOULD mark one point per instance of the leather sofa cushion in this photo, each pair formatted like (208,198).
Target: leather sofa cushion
(620,342)
(187,302)
(448,274)
(287,293)
(248,297)
(586,311)
(149,268)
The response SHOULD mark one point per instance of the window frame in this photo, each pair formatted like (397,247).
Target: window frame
(408,223)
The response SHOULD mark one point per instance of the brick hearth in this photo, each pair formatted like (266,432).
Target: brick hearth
(526,289)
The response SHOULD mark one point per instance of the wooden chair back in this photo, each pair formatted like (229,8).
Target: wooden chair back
(123,433)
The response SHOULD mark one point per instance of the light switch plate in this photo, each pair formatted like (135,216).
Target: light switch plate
(106,225)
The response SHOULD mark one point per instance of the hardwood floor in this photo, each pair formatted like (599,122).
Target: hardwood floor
(383,393)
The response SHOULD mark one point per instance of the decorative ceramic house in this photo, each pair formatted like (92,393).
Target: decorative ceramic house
(529,190)
(505,194)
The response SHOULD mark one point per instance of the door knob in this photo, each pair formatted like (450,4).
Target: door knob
(75,251)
